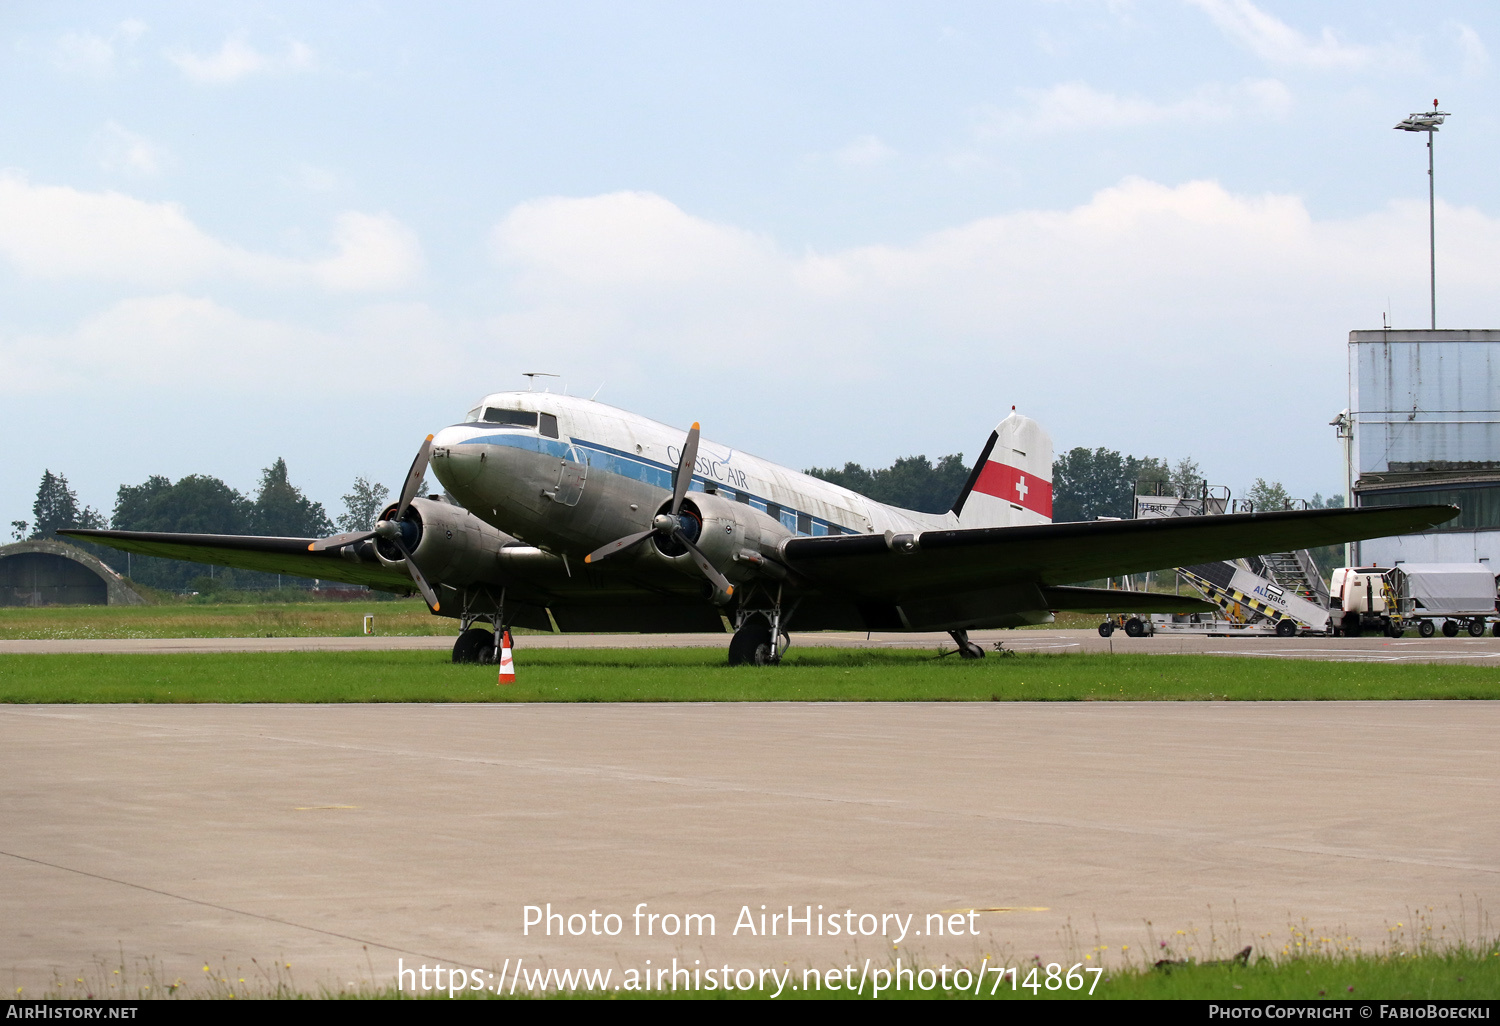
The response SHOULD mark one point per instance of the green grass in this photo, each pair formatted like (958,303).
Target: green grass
(402,617)
(406,617)
(700,675)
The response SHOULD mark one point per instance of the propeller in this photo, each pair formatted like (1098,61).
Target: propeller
(390,529)
(669,525)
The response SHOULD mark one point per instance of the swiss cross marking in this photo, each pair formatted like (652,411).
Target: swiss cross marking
(1021,488)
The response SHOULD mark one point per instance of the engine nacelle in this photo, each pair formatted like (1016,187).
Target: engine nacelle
(726,530)
(449,543)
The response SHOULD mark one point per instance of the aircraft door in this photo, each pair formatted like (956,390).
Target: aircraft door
(571,477)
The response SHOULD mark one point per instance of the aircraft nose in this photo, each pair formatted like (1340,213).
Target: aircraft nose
(455,463)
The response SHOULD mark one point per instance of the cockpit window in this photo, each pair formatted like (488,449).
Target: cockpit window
(510,418)
(472,417)
(549,425)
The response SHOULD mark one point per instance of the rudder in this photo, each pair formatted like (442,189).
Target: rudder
(1011,484)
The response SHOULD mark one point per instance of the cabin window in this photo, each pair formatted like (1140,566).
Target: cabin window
(835,529)
(742,497)
(549,425)
(773,510)
(510,418)
(804,523)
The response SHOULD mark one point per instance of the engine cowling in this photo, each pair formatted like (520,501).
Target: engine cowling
(722,530)
(450,544)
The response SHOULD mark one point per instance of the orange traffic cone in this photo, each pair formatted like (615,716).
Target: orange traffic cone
(507,666)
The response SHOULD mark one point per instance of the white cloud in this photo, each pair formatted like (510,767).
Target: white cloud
(121,150)
(311,178)
(1474,59)
(1273,40)
(60,232)
(864,152)
(237,59)
(176,340)
(375,251)
(1077,106)
(1147,290)
(624,241)
(89,53)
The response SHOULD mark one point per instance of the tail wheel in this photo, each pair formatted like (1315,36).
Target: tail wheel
(1426,629)
(1135,628)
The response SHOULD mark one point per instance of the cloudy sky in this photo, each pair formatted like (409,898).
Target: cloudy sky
(830,232)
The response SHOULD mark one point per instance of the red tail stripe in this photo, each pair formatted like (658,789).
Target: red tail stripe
(1015,485)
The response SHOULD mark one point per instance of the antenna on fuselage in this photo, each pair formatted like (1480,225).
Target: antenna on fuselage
(531,377)
(596,392)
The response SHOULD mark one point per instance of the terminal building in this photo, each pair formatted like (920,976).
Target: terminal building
(1423,426)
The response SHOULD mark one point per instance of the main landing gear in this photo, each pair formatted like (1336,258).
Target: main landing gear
(759,638)
(475,644)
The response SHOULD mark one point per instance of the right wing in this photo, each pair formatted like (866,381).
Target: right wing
(253,552)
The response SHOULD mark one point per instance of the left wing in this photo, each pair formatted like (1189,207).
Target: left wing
(902,567)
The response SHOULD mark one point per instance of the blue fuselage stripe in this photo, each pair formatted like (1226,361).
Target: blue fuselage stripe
(637,468)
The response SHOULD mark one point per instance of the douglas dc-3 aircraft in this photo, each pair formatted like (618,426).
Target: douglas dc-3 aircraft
(563,511)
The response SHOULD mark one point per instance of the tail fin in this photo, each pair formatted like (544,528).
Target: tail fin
(1011,485)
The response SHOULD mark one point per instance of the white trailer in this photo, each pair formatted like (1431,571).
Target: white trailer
(1455,596)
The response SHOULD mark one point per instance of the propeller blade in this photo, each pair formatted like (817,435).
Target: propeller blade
(619,544)
(414,477)
(416,575)
(703,564)
(685,465)
(338,541)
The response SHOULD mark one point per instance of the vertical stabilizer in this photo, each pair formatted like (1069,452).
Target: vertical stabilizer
(1011,485)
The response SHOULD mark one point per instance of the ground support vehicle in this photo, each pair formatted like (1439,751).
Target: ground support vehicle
(1452,597)
(1361,599)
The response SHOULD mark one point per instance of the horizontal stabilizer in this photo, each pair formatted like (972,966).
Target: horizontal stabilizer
(1111,600)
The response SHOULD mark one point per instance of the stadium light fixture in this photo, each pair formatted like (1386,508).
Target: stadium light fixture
(1428,121)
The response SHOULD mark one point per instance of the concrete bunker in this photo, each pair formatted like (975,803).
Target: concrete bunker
(54,573)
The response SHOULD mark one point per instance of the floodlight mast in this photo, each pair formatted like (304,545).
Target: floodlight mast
(1428,121)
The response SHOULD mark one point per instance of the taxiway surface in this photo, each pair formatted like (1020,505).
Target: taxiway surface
(1476,651)
(340,839)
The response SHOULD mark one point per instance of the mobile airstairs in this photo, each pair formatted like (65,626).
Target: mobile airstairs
(1279,593)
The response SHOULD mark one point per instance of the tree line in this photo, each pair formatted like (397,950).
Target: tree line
(1086,483)
(199,504)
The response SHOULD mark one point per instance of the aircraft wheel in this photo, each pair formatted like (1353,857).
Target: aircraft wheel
(1135,628)
(1351,625)
(1426,628)
(1476,628)
(970,650)
(1107,628)
(1286,627)
(474,645)
(751,644)
(1450,629)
